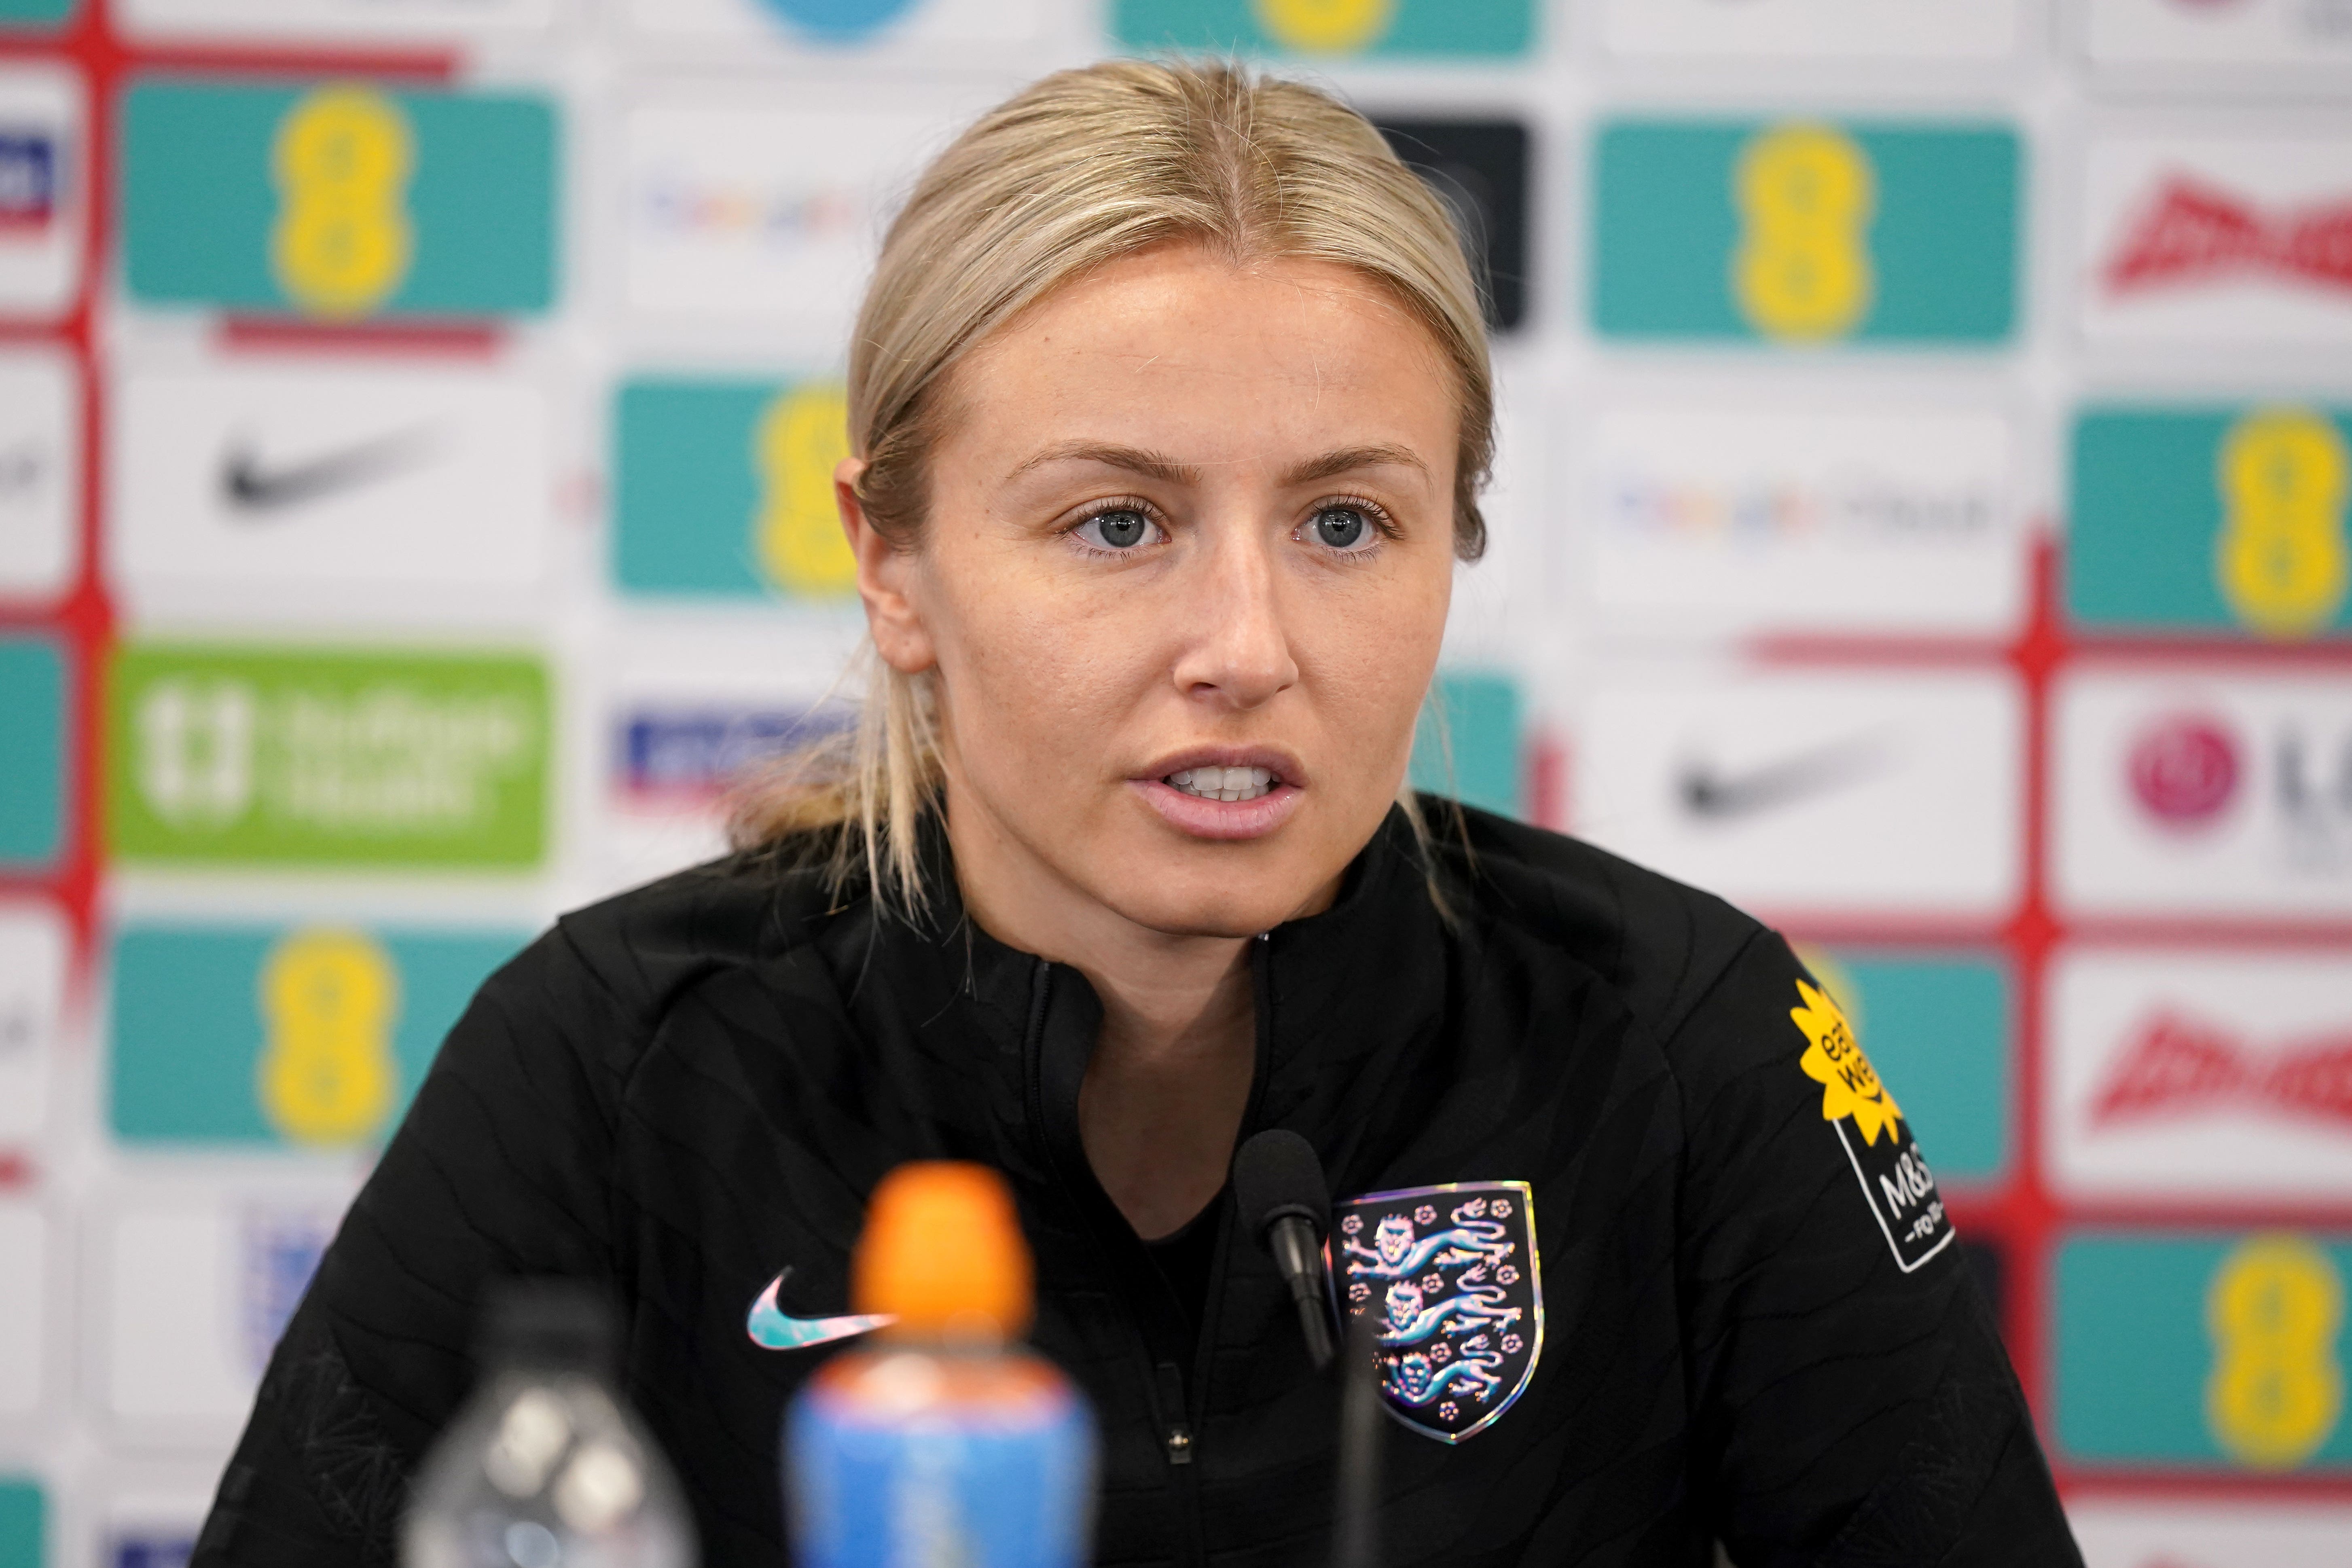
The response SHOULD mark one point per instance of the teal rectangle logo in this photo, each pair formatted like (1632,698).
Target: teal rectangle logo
(1805,232)
(1938,1028)
(32,753)
(24,1523)
(1329,29)
(2211,520)
(338,203)
(310,1037)
(724,489)
(2203,1351)
(1471,741)
(44,13)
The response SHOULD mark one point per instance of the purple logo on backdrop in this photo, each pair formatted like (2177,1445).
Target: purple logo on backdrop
(170,1550)
(693,755)
(28,179)
(1448,1277)
(281,1252)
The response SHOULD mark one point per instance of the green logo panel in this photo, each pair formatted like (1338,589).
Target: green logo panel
(724,488)
(24,1523)
(1470,743)
(230,756)
(2204,1350)
(306,1036)
(1937,1029)
(2211,520)
(1805,232)
(339,201)
(1327,29)
(32,753)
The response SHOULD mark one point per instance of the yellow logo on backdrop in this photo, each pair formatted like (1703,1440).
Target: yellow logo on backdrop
(1806,194)
(341,161)
(2280,559)
(2277,1392)
(795,448)
(329,1002)
(1326,26)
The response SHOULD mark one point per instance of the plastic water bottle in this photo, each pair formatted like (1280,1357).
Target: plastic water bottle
(940,1442)
(545,1468)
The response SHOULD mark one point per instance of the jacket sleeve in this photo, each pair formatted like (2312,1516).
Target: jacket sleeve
(1854,1404)
(500,1168)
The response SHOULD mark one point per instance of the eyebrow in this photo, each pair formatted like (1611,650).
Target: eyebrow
(1347,460)
(1167,470)
(1134,460)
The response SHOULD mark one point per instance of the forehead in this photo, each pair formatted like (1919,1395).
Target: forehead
(1182,350)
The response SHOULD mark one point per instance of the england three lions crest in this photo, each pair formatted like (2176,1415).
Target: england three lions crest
(1447,1278)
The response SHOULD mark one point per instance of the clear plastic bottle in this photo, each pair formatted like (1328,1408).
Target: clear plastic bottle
(545,1467)
(942,1442)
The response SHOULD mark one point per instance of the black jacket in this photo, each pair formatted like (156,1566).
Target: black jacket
(683,1091)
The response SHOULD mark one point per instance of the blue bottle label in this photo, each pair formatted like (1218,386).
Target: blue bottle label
(995,1483)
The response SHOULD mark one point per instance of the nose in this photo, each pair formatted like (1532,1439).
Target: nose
(1239,656)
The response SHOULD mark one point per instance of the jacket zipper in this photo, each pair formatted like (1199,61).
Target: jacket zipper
(1146,1291)
(1185,1417)
(1173,1415)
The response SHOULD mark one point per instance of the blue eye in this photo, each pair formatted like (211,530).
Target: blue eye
(1344,528)
(1121,528)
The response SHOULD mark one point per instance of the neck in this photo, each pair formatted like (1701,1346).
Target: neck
(1159,989)
(1169,1078)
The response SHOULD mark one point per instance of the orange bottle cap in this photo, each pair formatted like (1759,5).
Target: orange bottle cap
(943,1253)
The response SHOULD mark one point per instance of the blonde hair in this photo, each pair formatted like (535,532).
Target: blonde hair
(1078,169)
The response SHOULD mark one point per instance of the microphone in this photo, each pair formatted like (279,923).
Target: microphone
(1356,1489)
(1278,1185)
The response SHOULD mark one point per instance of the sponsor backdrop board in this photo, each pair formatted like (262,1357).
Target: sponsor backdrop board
(2194,1075)
(2186,793)
(2202,1352)
(383,493)
(338,202)
(1328,30)
(281,755)
(1924,517)
(306,1036)
(1805,231)
(2212,521)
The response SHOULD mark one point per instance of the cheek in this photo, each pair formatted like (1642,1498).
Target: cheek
(1036,674)
(1376,658)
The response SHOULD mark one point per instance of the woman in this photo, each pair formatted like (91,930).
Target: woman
(1170,406)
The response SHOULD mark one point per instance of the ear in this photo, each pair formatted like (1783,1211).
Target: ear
(884,578)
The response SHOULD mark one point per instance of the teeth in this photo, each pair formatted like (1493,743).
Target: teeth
(1224,783)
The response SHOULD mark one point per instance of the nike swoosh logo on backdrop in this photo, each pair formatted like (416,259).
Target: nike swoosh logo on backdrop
(771,1328)
(249,485)
(1707,791)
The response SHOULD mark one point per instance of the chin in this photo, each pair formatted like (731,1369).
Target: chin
(1227,914)
(1228,891)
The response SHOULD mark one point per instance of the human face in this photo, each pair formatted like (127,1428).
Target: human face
(1184,515)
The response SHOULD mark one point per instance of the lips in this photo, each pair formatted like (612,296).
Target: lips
(1224,794)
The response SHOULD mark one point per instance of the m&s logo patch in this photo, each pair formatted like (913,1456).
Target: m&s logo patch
(1895,1180)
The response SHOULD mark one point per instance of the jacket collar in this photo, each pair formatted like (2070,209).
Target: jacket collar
(1347,999)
